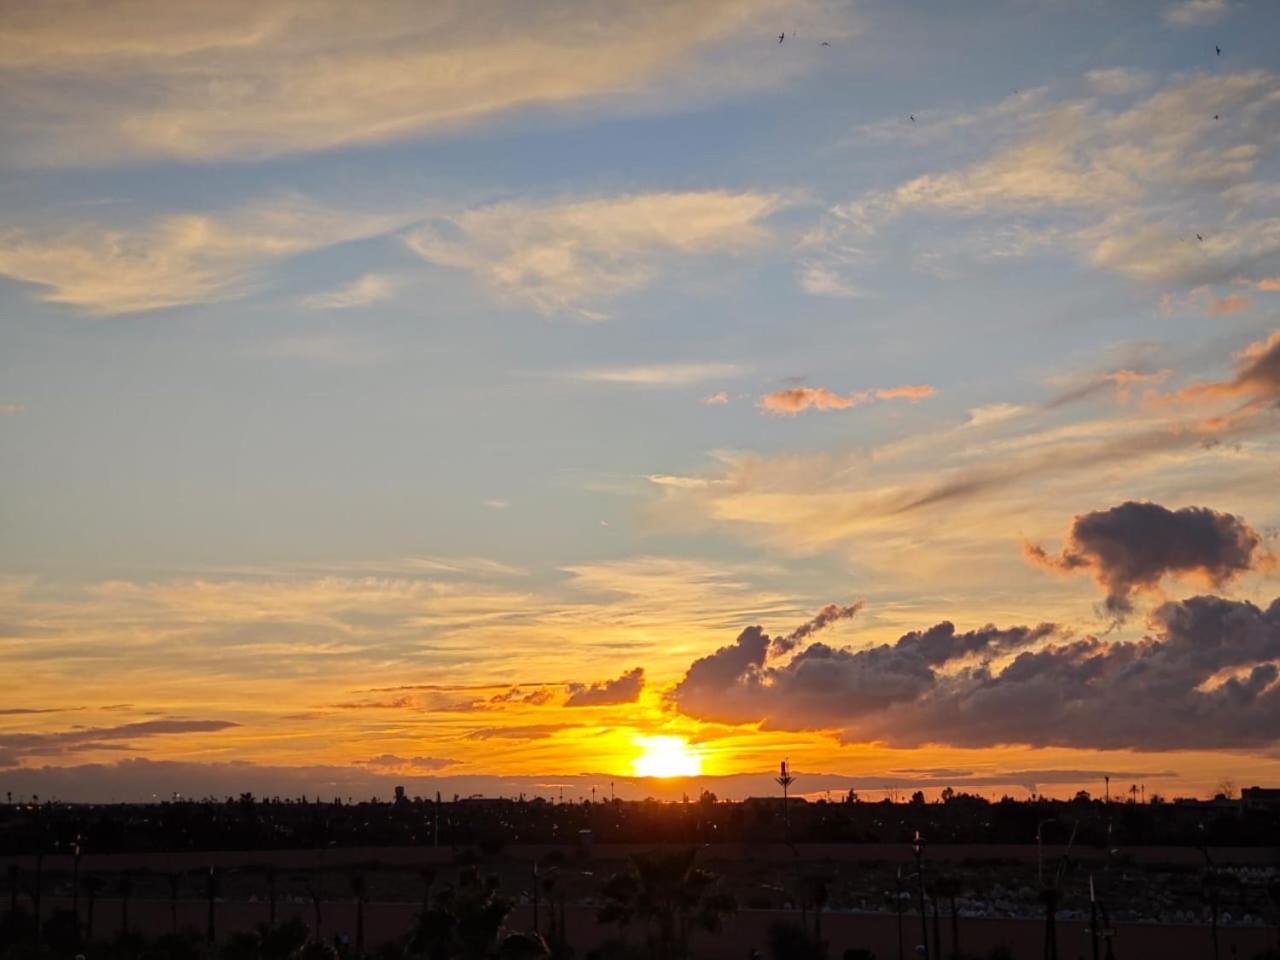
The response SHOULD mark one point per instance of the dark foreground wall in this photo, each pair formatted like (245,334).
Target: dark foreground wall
(746,930)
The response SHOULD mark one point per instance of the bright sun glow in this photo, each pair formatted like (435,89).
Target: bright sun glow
(666,757)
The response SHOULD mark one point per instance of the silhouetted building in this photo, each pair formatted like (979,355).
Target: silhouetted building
(1265,799)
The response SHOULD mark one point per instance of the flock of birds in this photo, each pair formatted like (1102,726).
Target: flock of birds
(1217,50)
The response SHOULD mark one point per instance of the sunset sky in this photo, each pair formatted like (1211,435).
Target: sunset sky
(466,394)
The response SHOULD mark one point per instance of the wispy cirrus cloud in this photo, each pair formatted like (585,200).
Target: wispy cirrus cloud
(663,374)
(975,488)
(1170,186)
(21,745)
(569,257)
(360,292)
(1195,13)
(178,259)
(91,84)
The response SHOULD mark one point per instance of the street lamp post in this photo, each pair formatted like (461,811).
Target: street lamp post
(917,848)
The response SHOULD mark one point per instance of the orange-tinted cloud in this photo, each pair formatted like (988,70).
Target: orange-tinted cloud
(796,400)
(1228,305)
(1257,378)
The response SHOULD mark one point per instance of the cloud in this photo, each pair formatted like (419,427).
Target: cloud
(822,280)
(831,613)
(396,703)
(87,84)
(533,731)
(563,257)
(1256,380)
(1117,80)
(21,745)
(824,687)
(662,375)
(11,409)
(362,291)
(994,413)
(389,761)
(794,400)
(1128,185)
(1206,679)
(717,399)
(1130,548)
(1268,284)
(624,689)
(969,492)
(177,259)
(537,697)
(1229,305)
(1195,13)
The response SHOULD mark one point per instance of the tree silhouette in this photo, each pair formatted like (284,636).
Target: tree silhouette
(212,883)
(273,878)
(947,887)
(360,890)
(671,896)
(126,894)
(175,881)
(92,886)
(463,921)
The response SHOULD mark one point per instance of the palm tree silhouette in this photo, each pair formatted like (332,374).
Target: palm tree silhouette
(92,885)
(211,891)
(315,891)
(273,877)
(175,881)
(359,889)
(948,887)
(126,893)
(670,895)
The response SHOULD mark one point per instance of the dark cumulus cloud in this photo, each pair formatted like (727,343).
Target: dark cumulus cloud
(1132,547)
(1205,678)
(740,664)
(827,687)
(624,689)
(828,615)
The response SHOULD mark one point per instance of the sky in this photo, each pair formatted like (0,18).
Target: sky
(502,397)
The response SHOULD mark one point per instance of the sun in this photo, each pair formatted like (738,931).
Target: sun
(666,757)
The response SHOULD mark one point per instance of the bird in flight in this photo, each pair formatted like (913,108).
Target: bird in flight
(826,43)
(1217,49)
(782,36)
(912,118)
(1200,238)
(1215,116)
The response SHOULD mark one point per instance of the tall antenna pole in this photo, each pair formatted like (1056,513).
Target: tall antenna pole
(785,780)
